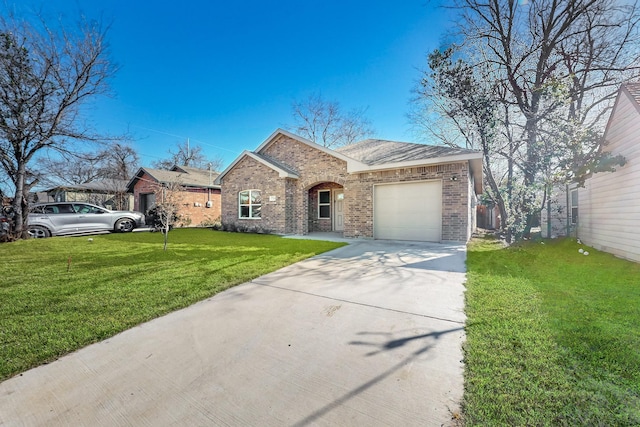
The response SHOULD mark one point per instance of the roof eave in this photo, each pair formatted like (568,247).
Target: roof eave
(132,182)
(475,166)
(356,168)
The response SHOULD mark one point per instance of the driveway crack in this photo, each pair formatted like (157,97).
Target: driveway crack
(458,322)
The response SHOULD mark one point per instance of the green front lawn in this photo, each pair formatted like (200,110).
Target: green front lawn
(553,336)
(60,294)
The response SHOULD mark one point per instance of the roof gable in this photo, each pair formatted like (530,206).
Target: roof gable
(185,176)
(283,171)
(631,91)
(281,132)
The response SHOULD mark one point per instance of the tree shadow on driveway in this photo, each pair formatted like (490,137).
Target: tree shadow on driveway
(389,345)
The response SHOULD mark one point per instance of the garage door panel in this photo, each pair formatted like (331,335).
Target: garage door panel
(409,211)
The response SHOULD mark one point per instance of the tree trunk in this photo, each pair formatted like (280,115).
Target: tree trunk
(497,197)
(20,204)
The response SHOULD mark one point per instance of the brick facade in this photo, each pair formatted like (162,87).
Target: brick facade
(290,206)
(193,210)
(455,198)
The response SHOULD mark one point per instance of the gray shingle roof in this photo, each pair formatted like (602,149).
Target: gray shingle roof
(201,177)
(185,176)
(377,151)
(102,185)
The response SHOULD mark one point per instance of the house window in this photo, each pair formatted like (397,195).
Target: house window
(574,206)
(249,203)
(324,204)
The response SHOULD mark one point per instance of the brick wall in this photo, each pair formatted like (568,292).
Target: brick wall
(455,197)
(193,201)
(250,174)
(194,211)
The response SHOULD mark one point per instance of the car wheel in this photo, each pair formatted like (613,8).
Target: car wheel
(37,232)
(125,225)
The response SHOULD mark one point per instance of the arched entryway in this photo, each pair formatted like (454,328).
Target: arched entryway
(325,207)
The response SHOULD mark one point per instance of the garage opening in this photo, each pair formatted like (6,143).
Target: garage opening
(408,211)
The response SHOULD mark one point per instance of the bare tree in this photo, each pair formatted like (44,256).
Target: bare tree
(46,75)
(552,69)
(324,122)
(187,154)
(169,197)
(119,161)
(68,168)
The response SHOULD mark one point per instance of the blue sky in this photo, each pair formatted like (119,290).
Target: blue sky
(224,73)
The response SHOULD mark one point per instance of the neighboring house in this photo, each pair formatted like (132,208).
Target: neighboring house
(199,198)
(110,193)
(372,189)
(488,216)
(605,213)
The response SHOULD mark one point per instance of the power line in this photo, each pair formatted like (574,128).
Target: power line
(186,137)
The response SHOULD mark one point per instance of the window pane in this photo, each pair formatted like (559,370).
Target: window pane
(244,211)
(255,211)
(324,196)
(255,197)
(325,211)
(574,198)
(244,197)
(574,215)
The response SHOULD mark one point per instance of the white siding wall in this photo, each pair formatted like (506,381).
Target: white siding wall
(609,205)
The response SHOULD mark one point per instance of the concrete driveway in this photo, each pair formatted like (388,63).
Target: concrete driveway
(369,334)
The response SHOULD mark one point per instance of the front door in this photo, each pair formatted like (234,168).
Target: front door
(338,210)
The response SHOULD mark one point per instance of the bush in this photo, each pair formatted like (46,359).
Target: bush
(215,224)
(233,227)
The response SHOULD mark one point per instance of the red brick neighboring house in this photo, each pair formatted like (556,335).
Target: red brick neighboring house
(200,196)
(371,189)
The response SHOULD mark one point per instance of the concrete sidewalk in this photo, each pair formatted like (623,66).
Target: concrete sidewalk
(369,334)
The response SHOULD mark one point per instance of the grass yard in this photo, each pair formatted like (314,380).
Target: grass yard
(553,336)
(60,294)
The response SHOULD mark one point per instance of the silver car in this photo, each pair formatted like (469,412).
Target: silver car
(57,219)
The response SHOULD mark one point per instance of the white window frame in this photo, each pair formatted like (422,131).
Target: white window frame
(250,205)
(574,204)
(324,204)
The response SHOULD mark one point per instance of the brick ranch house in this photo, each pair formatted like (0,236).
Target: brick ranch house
(372,189)
(199,198)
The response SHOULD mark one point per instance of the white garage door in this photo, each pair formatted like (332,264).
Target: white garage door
(408,211)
